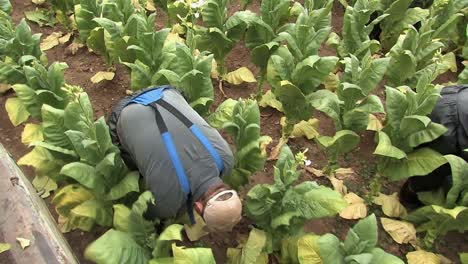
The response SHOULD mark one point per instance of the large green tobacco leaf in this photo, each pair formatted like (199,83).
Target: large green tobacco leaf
(116,247)
(312,71)
(294,102)
(396,106)
(342,142)
(84,174)
(418,163)
(53,123)
(330,249)
(459,169)
(362,237)
(163,243)
(5,6)
(385,148)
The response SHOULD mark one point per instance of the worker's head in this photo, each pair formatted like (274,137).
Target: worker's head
(220,207)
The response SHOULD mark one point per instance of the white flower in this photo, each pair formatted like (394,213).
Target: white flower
(197,15)
(307,163)
(194,5)
(181,1)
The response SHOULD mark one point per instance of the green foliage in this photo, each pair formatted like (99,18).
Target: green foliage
(450,19)
(281,209)
(416,53)
(351,106)
(250,153)
(407,127)
(18,47)
(134,239)
(42,87)
(359,246)
(63,9)
(5,6)
(356,29)
(191,75)
(343,142)
(399,17)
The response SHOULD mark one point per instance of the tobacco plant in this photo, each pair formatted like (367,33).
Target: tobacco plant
(250,153)
(134,239)
(357,26)
(282,208)
(407,127)
(359,247)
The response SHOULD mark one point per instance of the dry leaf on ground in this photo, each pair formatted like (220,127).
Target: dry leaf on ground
(24,243)
(314,171)
(344,172)
(4,87)
(4,247)
(338,185)
(65,38)
(356,208)
(101,76)
(51,41)
(402,232)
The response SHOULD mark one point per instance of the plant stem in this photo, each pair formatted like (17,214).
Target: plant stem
(261,79)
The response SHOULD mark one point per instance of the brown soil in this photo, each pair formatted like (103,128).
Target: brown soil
(84,65)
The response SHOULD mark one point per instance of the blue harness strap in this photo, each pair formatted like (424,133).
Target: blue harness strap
(154,98)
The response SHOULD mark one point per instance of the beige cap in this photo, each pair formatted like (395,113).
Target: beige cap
(223,215)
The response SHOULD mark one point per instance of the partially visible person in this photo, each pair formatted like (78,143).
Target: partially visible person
(451,111)
(180,157)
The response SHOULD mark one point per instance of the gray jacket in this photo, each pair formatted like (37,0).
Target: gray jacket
(139,137)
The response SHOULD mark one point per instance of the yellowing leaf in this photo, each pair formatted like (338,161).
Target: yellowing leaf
(307,250)
(374,123)
(16,111)
(31,133)
(64,224)
(306,129)
(402,232)
(44,185)
(314,171)
(65,38)
(339,186)
(24,243)
(4,87)
(464,258)
(38,2)
(239,76)
(214,69)
(276,150)
(391,205)
(150,6)
(101,76)
(332,82)
(422,257)
(51,41)
(196,231)
(4,247)
(269,99)
(356,208)
(173,38)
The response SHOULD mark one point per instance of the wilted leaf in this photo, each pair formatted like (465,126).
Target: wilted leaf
(74,47)
(38,2)
(65,38)
(269,99)
(339,186)
(31,133)
(356,208)
(422,257)
(101,76)
(374,123)
(402,232)
(239,76)
(276,150)
(41,17)
(44,185)
(4,87)
(314,171)
(16,111)
(391,205)
(24,243)
(344,172)
(150,6)
(196,231)
(4,247)
(51,41)
(306,129)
